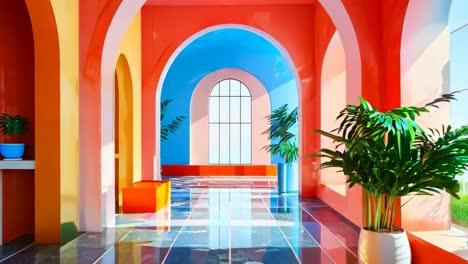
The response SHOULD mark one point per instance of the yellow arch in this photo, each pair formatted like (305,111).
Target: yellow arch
(123,126)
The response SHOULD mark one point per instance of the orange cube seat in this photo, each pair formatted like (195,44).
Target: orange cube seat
(146,197)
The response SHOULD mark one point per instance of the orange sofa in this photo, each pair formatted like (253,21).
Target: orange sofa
(219,170)
(146,197)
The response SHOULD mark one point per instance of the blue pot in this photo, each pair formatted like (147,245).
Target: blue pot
(292,173)
(288,178)
(12,151)
(282,177)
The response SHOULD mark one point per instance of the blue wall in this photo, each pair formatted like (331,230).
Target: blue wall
(224,48)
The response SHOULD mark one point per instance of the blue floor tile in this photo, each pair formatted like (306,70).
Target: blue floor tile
(211,225)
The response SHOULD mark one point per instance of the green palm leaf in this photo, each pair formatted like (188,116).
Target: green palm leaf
(280,123)
(173,125)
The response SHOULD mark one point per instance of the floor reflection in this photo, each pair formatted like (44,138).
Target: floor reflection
(215,225)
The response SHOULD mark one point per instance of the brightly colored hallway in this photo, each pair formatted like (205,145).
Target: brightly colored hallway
(140,131)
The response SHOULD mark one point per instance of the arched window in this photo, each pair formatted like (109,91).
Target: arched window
(230,122)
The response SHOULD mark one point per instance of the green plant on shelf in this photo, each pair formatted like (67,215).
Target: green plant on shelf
(13,124)
(390,156)
(173,125)
(281,121)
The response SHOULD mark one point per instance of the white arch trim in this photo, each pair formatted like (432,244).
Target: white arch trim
(345,29)
(122,19)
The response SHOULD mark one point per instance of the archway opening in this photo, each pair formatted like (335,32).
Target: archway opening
(150,152)
(333,100)
(17,97)
(433,62)
(123,129)
(425,75)
(258,62)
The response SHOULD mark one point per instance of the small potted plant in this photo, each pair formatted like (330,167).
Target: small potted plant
(389,155)
(12,125)
(284,144)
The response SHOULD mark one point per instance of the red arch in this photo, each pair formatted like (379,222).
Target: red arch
(298,44)
(306,61)
(378,26)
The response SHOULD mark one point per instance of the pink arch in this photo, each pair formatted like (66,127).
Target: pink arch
(199,115)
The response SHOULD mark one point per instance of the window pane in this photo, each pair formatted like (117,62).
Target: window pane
(235,144)
(246,144)
(230,103)
(244,90)
(246,110)
(214,144)
(235,109)
(214,109)
(224,109)
(215,91)
(224,144)
(224,88)
(235,88)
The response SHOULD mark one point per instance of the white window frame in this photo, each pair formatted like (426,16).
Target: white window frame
(214,94)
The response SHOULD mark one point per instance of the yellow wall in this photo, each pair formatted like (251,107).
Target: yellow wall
(123,125)
(66,15)
(131,48)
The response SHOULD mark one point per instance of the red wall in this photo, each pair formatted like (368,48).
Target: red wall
(165,28)
(379,26)
(17,97)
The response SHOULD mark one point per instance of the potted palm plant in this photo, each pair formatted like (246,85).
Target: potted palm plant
(12,125)
(389,155)
(284,144)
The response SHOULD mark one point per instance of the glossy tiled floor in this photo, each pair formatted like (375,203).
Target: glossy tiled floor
(215,225)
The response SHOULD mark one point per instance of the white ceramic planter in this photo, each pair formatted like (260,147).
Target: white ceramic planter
(384,248)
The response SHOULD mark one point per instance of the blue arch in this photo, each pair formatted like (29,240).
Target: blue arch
(223,48)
